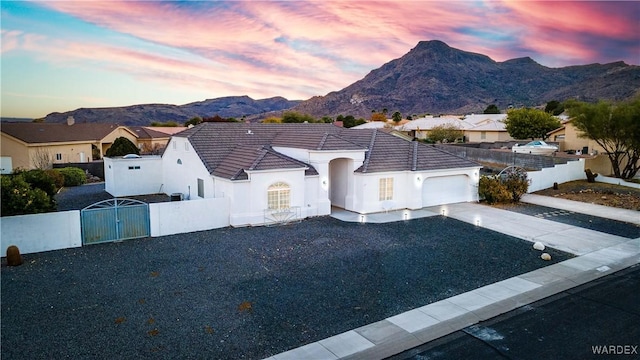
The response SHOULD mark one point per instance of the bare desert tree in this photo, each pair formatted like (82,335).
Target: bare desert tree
(42,159)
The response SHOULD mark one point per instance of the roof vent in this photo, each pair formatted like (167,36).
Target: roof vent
(249,132)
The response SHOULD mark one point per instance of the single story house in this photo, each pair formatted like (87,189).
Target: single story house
(268,169)
(569,138)
(153,140)
(39,145)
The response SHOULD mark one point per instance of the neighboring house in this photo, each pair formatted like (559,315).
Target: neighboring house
(486,128)
(420,127)
(153,140)
(39,145)
(568,138)
(302,168)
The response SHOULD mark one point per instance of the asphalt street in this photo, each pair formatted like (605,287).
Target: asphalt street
(598,320)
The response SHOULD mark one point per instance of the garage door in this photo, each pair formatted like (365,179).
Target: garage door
(445,190)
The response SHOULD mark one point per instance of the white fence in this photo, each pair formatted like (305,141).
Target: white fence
(62,230)
(187,216)
(616,181)
(544,179)
(41,232)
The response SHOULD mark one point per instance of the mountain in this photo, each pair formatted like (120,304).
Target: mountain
(232,106)
(431,78)
(435,78)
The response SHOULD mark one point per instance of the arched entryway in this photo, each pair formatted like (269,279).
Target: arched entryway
(339,181)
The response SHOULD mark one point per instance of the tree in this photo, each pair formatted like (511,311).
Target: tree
(445,133)
(397,117)
(349,121)
(527,123)
(492,109)
(42,158)
(290,117)
(193,121)
(122,146)
(378,117)
(272,120)
(554,107)
(170,123)
(615,127)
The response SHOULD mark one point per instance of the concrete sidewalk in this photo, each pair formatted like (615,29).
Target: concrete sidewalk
(599,254)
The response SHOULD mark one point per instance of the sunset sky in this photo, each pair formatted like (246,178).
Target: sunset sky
(63,55)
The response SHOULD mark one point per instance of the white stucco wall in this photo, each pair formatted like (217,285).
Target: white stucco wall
(249,198)
(544,179)
(182,176)
(178,217)
(41,232)
(137,176)
(407,189)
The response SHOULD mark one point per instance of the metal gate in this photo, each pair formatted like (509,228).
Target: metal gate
(113,220)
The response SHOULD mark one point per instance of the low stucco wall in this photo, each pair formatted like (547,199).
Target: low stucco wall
(187,216)
(544,179)
(41,232)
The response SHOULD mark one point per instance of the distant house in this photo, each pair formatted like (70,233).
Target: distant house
(301,168)
(486,128)
(420,128)
(39,145)
(153,140)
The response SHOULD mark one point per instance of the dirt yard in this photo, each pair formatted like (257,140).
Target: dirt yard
(597,193)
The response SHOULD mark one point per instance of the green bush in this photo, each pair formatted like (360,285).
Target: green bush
(121,147)
(19,198)
(493,190)
(40,179)
(73,176)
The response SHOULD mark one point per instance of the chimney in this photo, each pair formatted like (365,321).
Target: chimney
(70,120)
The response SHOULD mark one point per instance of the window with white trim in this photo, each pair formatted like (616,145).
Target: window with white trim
(58,157)
(483,135)
(278,196)
(386,189)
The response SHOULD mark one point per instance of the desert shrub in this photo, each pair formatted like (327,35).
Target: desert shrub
(493,190)
(73,176)
(516,181)
(40,179)
(57,178)
(19,198)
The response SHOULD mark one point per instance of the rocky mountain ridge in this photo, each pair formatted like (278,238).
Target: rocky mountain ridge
(431,78)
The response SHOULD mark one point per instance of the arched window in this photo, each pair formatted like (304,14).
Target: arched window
(278,196)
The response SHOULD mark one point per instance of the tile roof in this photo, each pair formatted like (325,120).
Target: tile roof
(37,133)
(228,149)
(144,132)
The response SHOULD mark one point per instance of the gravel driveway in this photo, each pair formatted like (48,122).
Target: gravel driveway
(243,292)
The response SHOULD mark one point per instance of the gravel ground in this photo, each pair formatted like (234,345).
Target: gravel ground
(79,197)
(614,227)
(243,292)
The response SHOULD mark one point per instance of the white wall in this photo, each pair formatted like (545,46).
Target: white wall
(616,181)
(249,198)
(6,165)
(544,179)
(182,176)
(41,232)
(128,177)
(407,188)
(187,216)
